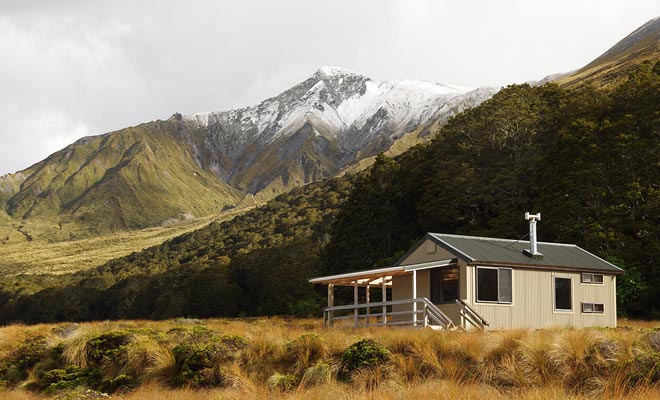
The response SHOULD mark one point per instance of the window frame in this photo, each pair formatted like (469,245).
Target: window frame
(493,302)
(593,308)
(554,295)
(592,281)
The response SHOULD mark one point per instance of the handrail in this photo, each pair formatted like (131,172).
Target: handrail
(428,311)
(375,304)
(471,315)
(440,317)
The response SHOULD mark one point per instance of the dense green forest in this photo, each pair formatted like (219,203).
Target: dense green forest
(587,159)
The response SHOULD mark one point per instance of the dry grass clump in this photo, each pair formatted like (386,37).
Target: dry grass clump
(295,359)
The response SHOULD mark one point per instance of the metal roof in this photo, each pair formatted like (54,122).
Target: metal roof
(510,252)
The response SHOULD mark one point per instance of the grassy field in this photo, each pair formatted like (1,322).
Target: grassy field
(42,257)
(298,359)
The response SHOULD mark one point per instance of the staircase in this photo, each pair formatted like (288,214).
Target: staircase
(471,315)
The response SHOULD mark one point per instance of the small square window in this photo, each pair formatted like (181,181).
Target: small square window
(588,277)
(430,247)
(593,308)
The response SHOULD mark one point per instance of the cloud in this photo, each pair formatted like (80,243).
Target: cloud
(82,67)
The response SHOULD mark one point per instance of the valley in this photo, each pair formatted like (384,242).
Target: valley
(39,257)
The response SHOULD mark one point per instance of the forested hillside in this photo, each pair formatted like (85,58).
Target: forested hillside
(586,159)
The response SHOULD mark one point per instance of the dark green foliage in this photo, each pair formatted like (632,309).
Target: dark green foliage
(367,353)
(109,346)
(212,272)
(24,357)
(56,380)
(587,159)
(200,356)
(120,382)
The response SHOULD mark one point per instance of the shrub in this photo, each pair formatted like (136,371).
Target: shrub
(108,346)
(197,364)
(26,356)
(367,353)
(120,382)
(56,380)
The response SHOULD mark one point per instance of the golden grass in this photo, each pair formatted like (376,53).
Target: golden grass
(299,359)
(43,257)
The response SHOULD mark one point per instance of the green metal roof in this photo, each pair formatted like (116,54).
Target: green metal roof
(476,250)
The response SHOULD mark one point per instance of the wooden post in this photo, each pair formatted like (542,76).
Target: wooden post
(331,301)
(367,296)
(384,300)
(355,302)
(414,295)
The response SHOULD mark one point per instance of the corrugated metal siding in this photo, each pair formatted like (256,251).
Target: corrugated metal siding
(533,302)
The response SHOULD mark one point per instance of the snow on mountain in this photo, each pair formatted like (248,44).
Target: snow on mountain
(340,100)
(331,120)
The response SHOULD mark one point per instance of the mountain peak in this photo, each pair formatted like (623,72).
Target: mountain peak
(330,71)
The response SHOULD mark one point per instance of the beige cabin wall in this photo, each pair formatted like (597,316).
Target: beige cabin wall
(533,302)
(423,254)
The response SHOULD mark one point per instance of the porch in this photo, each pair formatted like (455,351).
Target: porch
(395,310)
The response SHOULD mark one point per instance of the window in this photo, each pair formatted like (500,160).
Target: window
(494,285)
(563,294)
(592,278)
(444,285)
(430,247)
(593,308)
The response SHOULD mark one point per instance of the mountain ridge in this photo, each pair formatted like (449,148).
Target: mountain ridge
(613,66)
(202,163)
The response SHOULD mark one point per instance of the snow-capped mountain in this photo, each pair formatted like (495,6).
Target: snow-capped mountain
(341,115)
(201,163)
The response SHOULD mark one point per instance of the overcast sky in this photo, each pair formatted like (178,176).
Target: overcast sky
(72,68)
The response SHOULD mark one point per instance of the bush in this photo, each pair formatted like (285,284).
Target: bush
(26,356)
(57,380)
(121,382)
(367,353)
(199,357)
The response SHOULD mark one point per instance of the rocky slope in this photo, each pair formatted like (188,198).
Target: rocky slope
(194,165)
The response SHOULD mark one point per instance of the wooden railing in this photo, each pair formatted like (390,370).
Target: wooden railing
(422,313)
(471,315)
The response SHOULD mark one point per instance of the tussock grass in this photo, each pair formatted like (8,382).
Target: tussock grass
(297,359)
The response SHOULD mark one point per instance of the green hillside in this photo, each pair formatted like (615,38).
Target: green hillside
(130,179)
(613,66)
(585,158)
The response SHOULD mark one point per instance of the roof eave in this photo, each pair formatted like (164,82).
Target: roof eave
(618,271)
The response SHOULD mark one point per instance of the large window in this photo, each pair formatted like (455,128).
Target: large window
(444,285)
(563,294)
(494,285)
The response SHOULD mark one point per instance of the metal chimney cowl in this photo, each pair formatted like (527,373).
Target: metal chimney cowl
(533,252)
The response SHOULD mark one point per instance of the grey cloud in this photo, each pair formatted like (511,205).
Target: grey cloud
(82,67)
